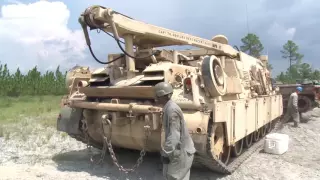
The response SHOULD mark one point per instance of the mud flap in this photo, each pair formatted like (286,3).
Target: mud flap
(69,119)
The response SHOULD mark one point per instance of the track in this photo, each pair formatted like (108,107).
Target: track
(216,165)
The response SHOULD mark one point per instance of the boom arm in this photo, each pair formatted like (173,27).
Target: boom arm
(144,35)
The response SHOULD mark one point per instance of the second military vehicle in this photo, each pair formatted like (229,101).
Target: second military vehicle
(226,95)
(308,98)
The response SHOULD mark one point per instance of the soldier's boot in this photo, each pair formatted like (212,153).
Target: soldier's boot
(295,124)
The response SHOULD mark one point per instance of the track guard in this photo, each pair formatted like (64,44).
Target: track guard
(69,119)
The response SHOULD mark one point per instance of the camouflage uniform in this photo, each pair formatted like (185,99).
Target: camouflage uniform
(178,146)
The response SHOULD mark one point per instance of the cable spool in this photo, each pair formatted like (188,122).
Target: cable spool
(88,16)
(213,76)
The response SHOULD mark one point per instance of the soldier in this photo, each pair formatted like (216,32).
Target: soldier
(292,108)
(178,149)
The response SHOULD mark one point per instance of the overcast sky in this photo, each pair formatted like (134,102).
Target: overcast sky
(47,33)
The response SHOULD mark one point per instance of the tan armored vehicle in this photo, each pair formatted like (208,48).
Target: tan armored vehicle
(226,95)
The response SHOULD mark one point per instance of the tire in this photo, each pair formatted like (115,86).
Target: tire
(213,76)
(304,103)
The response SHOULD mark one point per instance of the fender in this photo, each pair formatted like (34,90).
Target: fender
(69,119)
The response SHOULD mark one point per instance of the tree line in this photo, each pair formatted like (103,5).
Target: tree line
(297,70)
(31,83)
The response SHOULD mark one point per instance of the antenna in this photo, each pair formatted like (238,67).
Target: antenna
(247,17)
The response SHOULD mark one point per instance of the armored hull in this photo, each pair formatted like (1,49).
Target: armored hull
(241,134)
(225,130)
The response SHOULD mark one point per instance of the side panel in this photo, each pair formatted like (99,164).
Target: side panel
(269,106)
(222,113)
(197,123)
(262,112)
(243,117)
(274,106)
(251,116)
(277,106)
(281,105)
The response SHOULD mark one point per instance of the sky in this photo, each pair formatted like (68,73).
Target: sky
(47,33)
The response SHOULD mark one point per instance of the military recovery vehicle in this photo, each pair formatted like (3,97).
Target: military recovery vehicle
(226,95)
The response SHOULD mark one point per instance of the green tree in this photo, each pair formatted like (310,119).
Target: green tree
(269,67)
(282,77)
(31,83)
(252,45)
(290,52)
(316,75)
(305,71)
(297,70)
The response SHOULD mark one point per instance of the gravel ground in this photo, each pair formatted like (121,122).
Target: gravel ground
(48,154)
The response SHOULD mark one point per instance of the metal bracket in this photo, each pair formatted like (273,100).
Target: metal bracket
(155,121)
(205,109)
(114,101)
(247,104)
(147,121)
(105,119)
(77,96)
(115,115)
(130,115)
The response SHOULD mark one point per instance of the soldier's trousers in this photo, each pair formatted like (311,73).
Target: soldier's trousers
(291,114)
(179,166)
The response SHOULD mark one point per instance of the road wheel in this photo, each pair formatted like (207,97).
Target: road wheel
(263,131)
(256,135)
(269,127)
(236,150)
(248,140)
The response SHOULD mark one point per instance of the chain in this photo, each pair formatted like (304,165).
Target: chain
(89,147)
(113,156)
(107,144)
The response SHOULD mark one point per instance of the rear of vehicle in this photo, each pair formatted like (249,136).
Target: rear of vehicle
(316,92)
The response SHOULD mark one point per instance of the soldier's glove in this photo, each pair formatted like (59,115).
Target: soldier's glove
(165,160)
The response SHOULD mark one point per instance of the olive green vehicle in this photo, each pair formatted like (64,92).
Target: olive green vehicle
(308,98)
(226,95)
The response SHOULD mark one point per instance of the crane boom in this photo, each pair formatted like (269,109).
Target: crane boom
(145,35)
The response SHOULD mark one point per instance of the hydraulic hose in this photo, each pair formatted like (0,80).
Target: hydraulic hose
(87,20)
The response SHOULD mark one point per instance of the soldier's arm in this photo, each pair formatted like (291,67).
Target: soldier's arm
(295,102)
(173,138)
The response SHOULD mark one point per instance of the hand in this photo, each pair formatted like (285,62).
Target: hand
(165,160)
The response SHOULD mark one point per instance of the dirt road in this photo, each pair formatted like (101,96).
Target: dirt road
(47,154)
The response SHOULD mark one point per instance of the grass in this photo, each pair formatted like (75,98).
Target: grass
(13,110)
